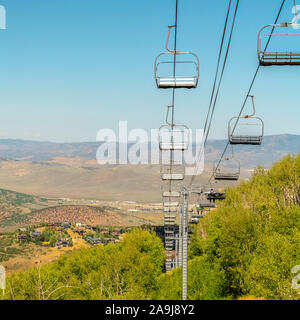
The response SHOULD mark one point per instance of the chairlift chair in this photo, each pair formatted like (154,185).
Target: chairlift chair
(206,206)
(196,189)
(231,172)
(170,209)
(198,216)
(174,81)
(172,172)
(170,216)
(173,137)
(169,222)
(169,234)
(194,221)
(236,125)
(169,246)
(278,58)
(216,196)
(226,175)
(169,240)
(171,194)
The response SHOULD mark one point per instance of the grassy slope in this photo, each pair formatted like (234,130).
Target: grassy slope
(83,180)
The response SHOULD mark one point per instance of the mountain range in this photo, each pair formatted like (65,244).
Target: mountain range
(272,149)
(70,170)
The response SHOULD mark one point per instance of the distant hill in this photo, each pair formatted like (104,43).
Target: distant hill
(15,206)
(45,151)
(19,209)
(70,170)
(272,149)
(79,178)
(104,216)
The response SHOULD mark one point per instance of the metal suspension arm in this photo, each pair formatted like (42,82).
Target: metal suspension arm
(167,118)
(253,105)
(168,37)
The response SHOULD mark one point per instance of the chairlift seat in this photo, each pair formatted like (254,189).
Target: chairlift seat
(169,240)
(171,194)
(170,219)
(248,140)
(173,146)
(194,221)
(227,176)
(169,234)
(177,82)
(170,216)
(197,216)
(207,205)
(279,59)
(172,176)
(172,172)
(216,196)
(169,246)
(171,204)
(169,223)
(170,209)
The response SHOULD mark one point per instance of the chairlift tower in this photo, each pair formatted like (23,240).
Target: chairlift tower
(185,231)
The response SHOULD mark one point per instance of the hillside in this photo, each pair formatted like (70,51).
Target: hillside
(245,249)
(21,210)
(15,207)
(62,179)
(95,216)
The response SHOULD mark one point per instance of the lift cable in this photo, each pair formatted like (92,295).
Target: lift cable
(173,91)
(249,91)
(174,68)
(222,73)
(218,66)
(214,96)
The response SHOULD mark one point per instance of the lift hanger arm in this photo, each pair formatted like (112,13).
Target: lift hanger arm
(253,106)
(168,37)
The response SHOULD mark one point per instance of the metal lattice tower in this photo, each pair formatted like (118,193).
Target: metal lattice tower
(185,232)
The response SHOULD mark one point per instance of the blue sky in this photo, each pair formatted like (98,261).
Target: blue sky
(72,67)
